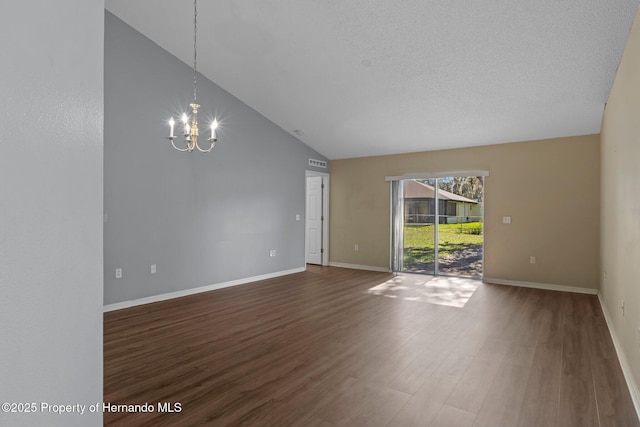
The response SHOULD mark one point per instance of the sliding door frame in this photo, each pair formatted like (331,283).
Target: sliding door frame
(396,203)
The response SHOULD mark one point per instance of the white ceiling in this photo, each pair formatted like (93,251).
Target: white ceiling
(371,77)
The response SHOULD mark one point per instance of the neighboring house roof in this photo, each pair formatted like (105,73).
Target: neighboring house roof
(420,190)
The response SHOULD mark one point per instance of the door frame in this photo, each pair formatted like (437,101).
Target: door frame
(325,214)
(433,175)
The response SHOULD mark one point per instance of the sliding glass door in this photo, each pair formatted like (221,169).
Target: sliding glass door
(418,251)
(438,225)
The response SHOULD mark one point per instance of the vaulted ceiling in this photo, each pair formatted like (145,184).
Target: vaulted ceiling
(355,78)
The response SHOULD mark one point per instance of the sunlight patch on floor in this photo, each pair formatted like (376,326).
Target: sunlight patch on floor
(450,291)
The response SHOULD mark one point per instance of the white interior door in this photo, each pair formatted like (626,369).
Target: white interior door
(314,220)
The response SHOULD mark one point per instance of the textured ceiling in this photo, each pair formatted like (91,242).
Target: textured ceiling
(371,77)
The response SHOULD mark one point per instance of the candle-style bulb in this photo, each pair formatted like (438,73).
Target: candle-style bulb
(214,126)
(171,124)
(185,120)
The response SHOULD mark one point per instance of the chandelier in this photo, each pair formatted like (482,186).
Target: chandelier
(190,124)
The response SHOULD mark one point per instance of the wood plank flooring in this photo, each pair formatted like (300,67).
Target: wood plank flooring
(317,349)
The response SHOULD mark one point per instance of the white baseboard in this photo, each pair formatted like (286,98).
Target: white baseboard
(545,286)
(178,294)
(359,267)
(626,369)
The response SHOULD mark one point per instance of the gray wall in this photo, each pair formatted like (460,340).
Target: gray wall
(51,109)
(202,218)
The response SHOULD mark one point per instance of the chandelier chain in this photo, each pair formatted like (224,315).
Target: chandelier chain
(195,54)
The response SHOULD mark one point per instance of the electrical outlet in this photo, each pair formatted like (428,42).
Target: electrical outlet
(506,220)
(153,269)
(297,217)
(532,260)
(272,253)
(118,273)
(622,307)
(356,248)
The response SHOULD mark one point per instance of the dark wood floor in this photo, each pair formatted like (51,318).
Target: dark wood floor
(315,349)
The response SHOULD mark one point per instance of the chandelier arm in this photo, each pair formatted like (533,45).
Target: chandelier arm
(213,143)
(178,148)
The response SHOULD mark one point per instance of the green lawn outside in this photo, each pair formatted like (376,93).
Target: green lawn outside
(418,240)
